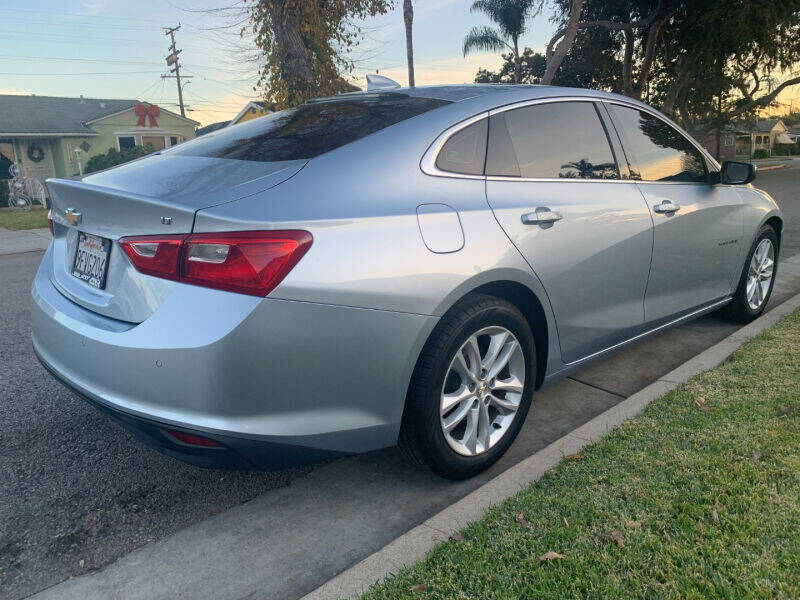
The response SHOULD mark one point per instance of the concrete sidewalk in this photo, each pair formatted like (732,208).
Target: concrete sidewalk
(289,541)
(25,240)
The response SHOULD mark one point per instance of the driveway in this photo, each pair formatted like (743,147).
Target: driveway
(78,493)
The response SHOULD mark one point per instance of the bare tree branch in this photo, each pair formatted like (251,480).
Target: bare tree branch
(764,100)
(677,86)
(555,56)
(649,55)
(627,64)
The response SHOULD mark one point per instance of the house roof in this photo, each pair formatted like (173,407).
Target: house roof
(43,115)
(212,127)
(257,104)
(766,125)
(50,114)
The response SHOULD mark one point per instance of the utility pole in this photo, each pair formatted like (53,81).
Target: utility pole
(172,59)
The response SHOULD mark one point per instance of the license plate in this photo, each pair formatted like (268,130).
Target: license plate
(91,259)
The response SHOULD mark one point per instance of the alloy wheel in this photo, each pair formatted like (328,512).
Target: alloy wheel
(759,274)
(482,391)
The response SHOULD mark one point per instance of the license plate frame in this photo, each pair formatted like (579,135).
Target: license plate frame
(90,263)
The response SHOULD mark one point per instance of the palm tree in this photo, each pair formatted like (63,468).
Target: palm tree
(408,17)
(510,16)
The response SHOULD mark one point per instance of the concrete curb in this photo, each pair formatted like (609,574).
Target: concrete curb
(23,240)
(416,543)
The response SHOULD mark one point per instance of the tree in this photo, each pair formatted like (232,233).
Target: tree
(531,69)
(305,44)
(511,17)
(727,61)
(706,63)
(589,65)
(408,18)
(636,25)
(116,157)
(790,120)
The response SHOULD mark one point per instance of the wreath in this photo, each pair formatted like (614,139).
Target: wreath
(35,152)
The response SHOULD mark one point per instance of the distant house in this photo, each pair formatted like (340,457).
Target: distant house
(741,140)
(733,140)
(769,132)
(212,127)
(253,110)
(48,135)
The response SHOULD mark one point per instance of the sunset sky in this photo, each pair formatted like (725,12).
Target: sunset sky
(116,49)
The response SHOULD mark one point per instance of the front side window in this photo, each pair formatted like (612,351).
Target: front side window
(558,140)
(465,151)
(310,129)
(661,152)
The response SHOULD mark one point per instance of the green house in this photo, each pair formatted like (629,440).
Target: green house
(50,136)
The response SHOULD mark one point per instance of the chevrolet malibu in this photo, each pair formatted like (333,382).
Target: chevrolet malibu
(391,266)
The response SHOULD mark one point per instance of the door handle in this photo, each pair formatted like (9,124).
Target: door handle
(541,216)
(666,207)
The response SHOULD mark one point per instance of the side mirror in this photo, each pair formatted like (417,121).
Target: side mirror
(737,173)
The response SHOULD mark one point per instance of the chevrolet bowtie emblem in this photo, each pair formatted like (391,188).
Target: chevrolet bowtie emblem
(73,216)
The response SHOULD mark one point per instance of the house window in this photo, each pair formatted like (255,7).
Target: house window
(6,160)
(157,141)
(126,141)
(729,140)
(173,140)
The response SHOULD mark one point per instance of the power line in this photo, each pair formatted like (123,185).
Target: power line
(75,40)
(146,90)
(83,60)
(227,86)
(97,61)
(79,40)
(66,14)
(66,24)
(79,74)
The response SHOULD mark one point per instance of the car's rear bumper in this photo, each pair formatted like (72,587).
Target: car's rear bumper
(276,382)
(233,452)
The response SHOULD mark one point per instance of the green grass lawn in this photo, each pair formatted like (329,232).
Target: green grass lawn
(697,497)
(35,217)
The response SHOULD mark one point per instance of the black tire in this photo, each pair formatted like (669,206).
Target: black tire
(421,436)
(739,309)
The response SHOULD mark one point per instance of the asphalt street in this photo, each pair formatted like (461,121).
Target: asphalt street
(77,492)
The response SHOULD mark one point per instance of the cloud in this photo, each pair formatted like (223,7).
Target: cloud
(13,92)
(93,7)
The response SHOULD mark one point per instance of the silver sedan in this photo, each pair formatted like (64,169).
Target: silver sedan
(392,266)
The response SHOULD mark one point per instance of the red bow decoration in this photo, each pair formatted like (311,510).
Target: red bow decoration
(143,111)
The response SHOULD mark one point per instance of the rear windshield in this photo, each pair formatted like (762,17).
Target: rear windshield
(308,130)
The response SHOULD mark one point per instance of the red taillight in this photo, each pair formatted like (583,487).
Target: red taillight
(247,262)
(193,440)
(50,224)
(155,255)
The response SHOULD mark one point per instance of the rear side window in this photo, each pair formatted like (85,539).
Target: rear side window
(308,130)
(465,151)
(660,152)
(559,140)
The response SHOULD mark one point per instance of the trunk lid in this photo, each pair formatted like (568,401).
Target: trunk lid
(153,195)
